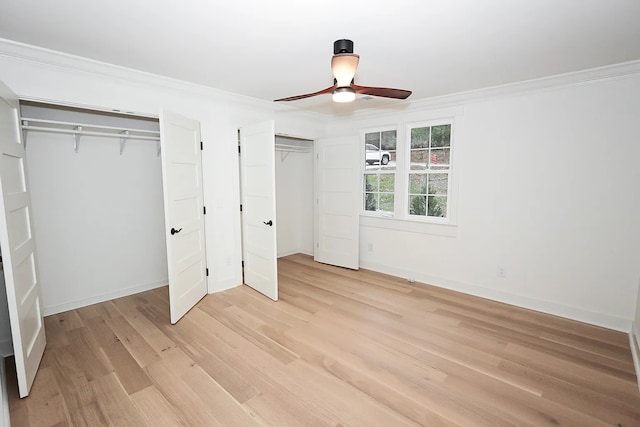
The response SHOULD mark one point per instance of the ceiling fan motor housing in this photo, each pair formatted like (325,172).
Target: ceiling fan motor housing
(342,46)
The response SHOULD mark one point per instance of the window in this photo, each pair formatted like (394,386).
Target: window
(430,163)
(408,181)
(379,171)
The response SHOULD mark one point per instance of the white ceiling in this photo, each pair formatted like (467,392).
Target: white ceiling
(272,49)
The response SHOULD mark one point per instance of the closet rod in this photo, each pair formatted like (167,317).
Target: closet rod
(84,132)
(57,122)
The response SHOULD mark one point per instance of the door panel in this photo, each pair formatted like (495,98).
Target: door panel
(339,195)
(257,146)
(183,211)
(18,247)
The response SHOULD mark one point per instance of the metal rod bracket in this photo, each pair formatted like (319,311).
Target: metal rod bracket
(24,134)
(76,138)
(123,140)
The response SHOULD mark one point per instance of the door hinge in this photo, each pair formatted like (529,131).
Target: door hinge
(238,149)
(204,210)
(207,271)
(240,208)
(242,264)
(201,146)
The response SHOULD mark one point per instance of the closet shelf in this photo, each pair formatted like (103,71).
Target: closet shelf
(81,131)
(292,148)
(116,130)
(84,129)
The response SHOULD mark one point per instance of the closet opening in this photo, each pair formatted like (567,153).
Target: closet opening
(97,203)
(294,169)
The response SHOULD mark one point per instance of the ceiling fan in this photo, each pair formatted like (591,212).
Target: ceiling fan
(343,66)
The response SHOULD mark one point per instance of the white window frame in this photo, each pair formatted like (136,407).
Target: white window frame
(403,122)
(363,171)
(447,219)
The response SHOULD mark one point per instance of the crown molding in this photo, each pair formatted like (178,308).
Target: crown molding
(50,58)
(608,72)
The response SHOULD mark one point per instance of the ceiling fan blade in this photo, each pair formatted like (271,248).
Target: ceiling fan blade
(307,95)
(385,92)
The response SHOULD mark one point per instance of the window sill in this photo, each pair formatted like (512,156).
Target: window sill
(413,226)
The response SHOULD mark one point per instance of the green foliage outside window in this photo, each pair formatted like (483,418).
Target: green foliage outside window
(379,192)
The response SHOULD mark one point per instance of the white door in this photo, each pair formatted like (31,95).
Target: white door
(18,247)
(257,157)
(338,202)
(183,211)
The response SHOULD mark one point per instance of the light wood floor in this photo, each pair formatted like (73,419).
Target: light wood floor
(339,348)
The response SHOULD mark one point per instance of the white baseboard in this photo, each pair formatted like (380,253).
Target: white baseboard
(297,251)
(4,397)
(635,351)
(72,305)
(224,285)
(6,348)
(549,307)
(286,253)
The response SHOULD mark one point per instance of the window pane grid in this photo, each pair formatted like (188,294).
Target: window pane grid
(379,171)
(430,158)
(379,192)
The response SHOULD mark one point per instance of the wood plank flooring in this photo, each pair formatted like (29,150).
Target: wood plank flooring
(340,348)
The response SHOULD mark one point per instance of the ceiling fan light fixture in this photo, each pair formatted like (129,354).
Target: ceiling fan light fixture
(344,94)
(343,67)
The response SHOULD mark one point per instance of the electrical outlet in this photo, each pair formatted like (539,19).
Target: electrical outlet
(500,272)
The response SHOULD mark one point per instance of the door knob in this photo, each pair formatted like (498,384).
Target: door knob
(270,223)
(174,231)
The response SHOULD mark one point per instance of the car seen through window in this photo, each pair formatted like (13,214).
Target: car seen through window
(375,155)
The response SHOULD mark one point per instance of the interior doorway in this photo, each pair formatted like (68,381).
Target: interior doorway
(294,166)
(97,201)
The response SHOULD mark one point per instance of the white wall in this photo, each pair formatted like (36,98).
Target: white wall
(4,398)
(636,317)
(634,338)
(294,202)
(6,348)
(548,189)
(98,216)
